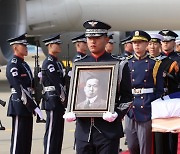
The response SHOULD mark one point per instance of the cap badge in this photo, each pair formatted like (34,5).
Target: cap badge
(93,23)
(136,33)
(165,32)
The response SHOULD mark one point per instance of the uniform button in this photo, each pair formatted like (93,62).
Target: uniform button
(133,80)
(134,97)
(146,61)
(142,97)
(133,106)
(132,70)
(142,107)
(146,70)
(133,61)
(144,80)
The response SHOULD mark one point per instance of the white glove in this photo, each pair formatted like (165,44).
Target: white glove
(40,74)
(110,117)
(39,112)
(69,116)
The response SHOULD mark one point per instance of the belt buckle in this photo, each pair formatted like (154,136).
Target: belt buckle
(137,91)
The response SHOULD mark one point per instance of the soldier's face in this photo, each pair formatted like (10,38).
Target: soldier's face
(91,88)
(20,50)
(168,46)
(178,48)
(97,45)
(154,48)
(82,46)
(140,47)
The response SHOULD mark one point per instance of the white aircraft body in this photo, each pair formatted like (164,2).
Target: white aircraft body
(42,17)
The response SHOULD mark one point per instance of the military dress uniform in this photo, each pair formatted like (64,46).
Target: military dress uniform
(94,135)
(145,89)
(20,108)
(171,36)
(21,104)
(53,99)
(89,130)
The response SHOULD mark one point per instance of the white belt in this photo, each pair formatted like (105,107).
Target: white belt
(142,90)
(49,88)
(13,90)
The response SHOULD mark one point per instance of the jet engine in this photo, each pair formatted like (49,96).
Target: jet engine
(12,23)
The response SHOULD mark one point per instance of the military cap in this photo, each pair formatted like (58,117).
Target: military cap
(52,39)
(96,28)
(140,35)
(18,40)
(156,37)
(168,35)
(126,40)
(177,42)
(79,38)
(111,38)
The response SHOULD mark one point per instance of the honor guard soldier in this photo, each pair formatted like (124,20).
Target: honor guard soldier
(128,47)
(168,44)
(145,90)
(21,104)
(80,43)
(100,135)
(110,45)
(54,96)
(169,69)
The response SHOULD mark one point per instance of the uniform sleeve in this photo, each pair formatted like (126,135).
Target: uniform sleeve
(53,76)
(124,97)
(13,76)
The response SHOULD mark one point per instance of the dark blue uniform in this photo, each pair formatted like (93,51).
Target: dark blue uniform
(145,88)
(168,68)
(20,107)
(53,82)
(96,132)
(79,55)
(142,77)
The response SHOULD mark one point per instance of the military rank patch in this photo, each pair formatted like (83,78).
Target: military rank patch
(14,60)
(14,71)
(51,68)
(50,58)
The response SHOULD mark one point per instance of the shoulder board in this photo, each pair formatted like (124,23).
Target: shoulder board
(14,60)
(153,58)
(118,57)
(50,58)
(78,58)
(129,57)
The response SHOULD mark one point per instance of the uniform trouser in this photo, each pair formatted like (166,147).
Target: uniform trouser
(98,144)
(161,142)
(173,142)
(53,137)
(21,138)
(139,136)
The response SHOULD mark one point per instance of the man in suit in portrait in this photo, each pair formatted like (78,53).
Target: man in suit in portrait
(93,97)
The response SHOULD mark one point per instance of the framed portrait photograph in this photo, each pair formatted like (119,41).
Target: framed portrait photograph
(92,88)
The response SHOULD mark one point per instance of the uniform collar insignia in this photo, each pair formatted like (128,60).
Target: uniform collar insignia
(50,58)
(14,60)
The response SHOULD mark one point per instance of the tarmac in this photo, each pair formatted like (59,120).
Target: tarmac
(38,128)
